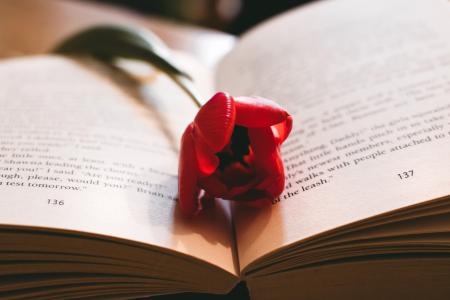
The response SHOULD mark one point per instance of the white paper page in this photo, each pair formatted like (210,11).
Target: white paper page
(78,152)
(368,84)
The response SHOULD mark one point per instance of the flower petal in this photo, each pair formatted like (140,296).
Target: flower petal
(213,186)
(207,161)
(267,160)
(237,191)
(215,121)
(258,197)
(284,129)
(255,111)
(263,141)
(258,203)
(236,175)
(274,183)
(188,190)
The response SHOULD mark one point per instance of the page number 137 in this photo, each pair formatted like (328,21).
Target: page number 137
(406,174)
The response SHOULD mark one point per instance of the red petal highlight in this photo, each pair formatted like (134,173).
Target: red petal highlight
(187,184)
(284,129)
(255,112)
(206,159)
(215,121)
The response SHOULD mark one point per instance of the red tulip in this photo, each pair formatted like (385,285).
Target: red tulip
(232,150)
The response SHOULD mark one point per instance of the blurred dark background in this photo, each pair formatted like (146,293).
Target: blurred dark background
(232,16)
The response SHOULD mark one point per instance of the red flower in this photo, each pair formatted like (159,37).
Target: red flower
(232,151)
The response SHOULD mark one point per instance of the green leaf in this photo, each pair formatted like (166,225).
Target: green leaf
(108,42)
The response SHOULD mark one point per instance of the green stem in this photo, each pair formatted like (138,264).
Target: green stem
(107,42)
(187,85)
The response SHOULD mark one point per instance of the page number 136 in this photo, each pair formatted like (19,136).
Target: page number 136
(55,202)
(406,174)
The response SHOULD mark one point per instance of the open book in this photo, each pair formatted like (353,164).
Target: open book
(88,167)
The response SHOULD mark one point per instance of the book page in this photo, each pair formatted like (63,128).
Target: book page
(80,152)
(368,84)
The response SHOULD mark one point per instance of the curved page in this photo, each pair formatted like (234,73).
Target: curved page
(80,151)
(368,84)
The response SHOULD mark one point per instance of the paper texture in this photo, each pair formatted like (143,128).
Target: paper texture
(79,152)
(368,84)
